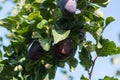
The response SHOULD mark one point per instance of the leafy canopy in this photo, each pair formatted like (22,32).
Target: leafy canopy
(42,19)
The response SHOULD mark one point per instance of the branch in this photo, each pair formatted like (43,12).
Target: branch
(91,71)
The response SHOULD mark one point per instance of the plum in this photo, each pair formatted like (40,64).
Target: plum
(35,51)
(68,7)
(63,49)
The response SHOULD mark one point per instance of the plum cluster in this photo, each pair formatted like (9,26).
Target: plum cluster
(63,49)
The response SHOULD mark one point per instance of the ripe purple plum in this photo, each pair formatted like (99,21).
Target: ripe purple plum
(68,7)
(63,49)
(35,51)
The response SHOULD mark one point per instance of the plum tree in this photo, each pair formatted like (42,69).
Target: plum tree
(58,38)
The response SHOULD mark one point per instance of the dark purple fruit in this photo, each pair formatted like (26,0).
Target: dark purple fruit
(35,51)
(63,49)
(68,7)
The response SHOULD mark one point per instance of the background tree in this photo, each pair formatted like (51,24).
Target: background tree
(42,20)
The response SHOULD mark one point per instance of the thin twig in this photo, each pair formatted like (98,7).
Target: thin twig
(91,71)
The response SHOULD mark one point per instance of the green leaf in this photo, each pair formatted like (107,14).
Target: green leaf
(1,22)
(9,35)
(1,39)
(99,13)
(108,48)
(85,58)
(61,64)
(90,46)
(35,16)
(94,13)
(72,62)
(40,73)
(0,7)
(52,73)
(0,55)
(102,3)
(118,73)
(20,76)
(29,66)
(1,67)
(7,50)
(10,22)
(41,24)
(109,20)
(23,28)
(39,1)
(45,43)
(59,35)
(95,29)
(6,72)
(49,4)
(109,78)
(83,78)
(44,40)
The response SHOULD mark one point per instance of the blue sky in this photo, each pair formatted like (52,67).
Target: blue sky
(103,66)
